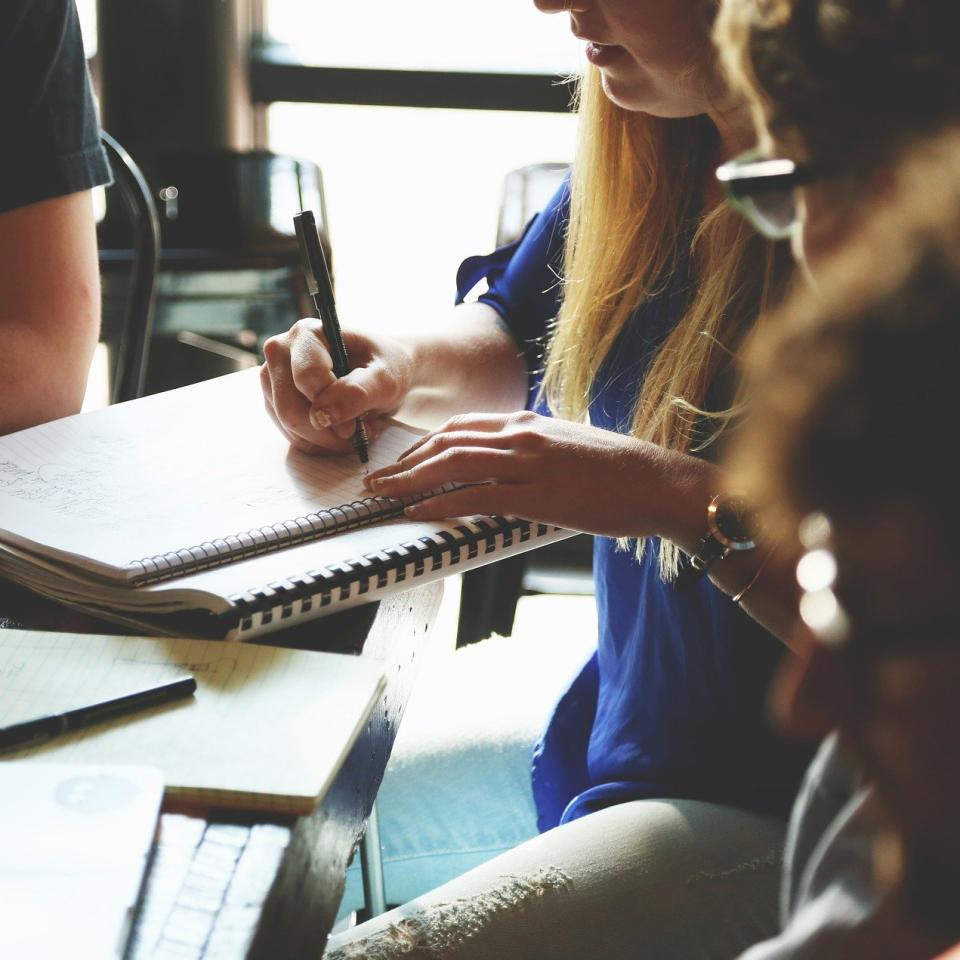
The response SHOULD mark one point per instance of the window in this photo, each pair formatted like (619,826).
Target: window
(88,24)
(494,36)
(412,191)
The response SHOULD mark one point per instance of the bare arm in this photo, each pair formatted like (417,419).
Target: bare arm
(49,309)
(583,478)
(571,474)
(472,364)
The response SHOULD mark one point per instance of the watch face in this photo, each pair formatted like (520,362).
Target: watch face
(733,522)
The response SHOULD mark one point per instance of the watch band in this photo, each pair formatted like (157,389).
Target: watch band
(725,532)
(709,551)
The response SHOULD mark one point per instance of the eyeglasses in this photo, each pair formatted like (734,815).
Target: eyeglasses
(762,190)
(853,627)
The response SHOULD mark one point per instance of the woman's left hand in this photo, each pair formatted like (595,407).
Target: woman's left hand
(538,468)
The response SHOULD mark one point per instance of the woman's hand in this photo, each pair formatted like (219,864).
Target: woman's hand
(315,410)
(538,468)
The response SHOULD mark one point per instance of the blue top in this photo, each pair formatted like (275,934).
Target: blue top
(672,702)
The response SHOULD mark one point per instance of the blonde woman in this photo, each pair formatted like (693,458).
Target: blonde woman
(657,769)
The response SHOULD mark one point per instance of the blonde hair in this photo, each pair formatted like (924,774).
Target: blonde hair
(636,197)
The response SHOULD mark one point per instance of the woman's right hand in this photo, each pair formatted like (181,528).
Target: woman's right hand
(316,411)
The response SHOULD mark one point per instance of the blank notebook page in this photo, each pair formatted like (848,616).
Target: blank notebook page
(266,730)
(170,472)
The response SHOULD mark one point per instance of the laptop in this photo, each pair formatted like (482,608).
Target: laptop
(75,841)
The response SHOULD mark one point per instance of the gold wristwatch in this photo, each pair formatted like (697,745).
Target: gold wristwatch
(732,524)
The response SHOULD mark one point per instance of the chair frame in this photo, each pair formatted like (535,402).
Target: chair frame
(134,348)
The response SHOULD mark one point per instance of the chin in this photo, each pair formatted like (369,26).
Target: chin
(639,97)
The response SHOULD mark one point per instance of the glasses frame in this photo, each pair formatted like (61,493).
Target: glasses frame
(842,633)
(751,175)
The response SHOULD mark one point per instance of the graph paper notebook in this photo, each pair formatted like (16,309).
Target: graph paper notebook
(187,512)
(267,728)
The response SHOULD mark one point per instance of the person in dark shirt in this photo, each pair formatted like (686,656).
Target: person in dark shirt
(50,160)
(855,403)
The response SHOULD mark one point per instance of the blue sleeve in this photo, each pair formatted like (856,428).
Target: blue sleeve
(524,278)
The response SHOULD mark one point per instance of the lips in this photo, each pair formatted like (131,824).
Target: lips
(603,54)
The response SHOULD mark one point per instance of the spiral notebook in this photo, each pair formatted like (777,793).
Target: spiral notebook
(188,512)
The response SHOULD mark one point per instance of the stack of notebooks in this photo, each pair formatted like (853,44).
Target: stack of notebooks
(187,513)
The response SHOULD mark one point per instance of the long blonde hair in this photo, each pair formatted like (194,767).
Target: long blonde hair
(635,197)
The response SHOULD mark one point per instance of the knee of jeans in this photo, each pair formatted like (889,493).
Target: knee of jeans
(438,929)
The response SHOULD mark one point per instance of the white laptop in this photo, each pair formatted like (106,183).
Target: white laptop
(75,841)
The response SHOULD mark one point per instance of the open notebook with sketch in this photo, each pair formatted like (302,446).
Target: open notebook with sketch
(130,511)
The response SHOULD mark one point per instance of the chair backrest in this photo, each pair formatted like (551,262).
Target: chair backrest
(130,366)
(526,191)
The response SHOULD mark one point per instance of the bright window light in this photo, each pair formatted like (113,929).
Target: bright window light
(88,24)
(410,193)
(499,36)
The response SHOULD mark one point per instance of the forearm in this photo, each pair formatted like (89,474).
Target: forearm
(44,376)
(49,309)
(470,363)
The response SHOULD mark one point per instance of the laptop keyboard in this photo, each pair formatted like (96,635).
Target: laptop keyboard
(205,889)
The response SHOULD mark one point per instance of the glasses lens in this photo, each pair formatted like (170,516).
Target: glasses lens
(774,214)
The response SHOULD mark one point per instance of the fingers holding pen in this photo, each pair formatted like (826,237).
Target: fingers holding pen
(296,365)
(375,387)
(316,410)
(293,439)
(310,361)
(339,404)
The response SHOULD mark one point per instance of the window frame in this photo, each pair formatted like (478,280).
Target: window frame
(278,76)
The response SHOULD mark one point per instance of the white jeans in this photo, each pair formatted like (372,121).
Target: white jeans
(647,879)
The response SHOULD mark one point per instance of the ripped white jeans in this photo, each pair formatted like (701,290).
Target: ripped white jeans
(655,879)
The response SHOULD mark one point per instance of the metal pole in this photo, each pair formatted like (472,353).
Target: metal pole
(371,867)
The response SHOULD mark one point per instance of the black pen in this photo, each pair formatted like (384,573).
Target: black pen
(29,732)
(321,291)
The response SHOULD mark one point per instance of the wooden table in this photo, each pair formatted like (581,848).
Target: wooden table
(306,889)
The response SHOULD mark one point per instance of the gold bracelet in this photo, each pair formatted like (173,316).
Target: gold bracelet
(737,597)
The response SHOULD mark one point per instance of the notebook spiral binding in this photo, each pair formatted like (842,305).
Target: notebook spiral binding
(320,588)
(313,526)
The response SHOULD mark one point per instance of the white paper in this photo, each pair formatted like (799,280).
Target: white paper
(168,473)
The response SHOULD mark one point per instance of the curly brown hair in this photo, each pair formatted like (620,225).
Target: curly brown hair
(845,83)
(855,394)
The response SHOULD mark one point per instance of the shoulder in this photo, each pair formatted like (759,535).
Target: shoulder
(28,27)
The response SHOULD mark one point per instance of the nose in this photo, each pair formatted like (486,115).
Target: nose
(811,694)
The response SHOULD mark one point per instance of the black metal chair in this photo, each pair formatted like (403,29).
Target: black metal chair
(133,341)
